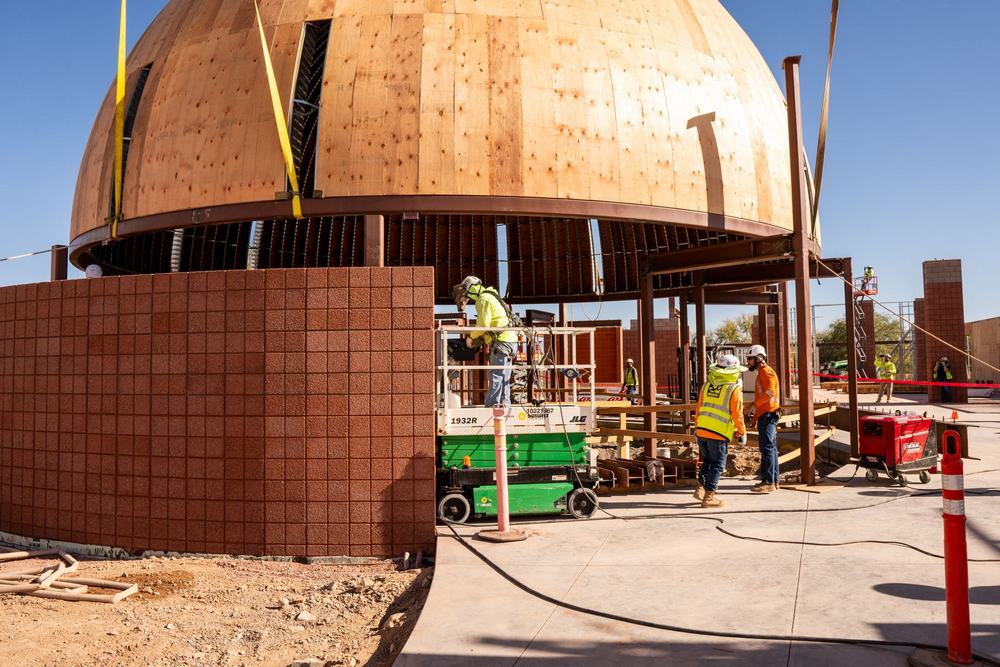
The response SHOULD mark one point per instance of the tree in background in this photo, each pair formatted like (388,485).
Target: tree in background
(832,341)
(735,330)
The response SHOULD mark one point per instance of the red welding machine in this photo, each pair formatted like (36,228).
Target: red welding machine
(897,445)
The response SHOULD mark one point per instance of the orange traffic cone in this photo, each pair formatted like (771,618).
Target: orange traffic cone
(954,415)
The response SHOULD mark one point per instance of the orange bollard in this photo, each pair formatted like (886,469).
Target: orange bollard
(503,533)
(956,556)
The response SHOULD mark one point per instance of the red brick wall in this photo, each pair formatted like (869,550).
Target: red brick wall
(771,344)
(228,412)
(608,351)
(668,339)
(944,312)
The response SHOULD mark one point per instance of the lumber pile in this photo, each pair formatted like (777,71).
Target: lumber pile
(51,581)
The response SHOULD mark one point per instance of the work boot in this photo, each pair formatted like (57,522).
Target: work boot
(763,488)
(712,500)
(699,493)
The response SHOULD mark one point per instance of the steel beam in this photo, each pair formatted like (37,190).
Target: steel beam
(736,253)
(374,240)
(770,273)
(802,245)
(852,357)
(784,343)
(648,338)
(699,326)
(59,262)
(685,365)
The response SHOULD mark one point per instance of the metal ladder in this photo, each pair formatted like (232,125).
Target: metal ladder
(859,336)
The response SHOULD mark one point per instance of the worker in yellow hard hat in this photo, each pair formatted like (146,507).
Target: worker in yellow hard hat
(492,315)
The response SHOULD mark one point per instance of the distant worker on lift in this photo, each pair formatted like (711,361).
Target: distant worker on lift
(492,314)
(866,284)
(886,371)
(718,419)
(765,414)
(630,387)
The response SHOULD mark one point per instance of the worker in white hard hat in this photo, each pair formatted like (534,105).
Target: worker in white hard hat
(718,420)
(630,387)
(885,369)
(491,314)
(765,415)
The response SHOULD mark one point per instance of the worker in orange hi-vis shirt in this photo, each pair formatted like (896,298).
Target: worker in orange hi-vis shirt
(766,412)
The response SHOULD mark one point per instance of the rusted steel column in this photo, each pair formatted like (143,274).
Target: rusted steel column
(685,365)
(648,337)
(701,339)
(374,240)
(762,328)
(801,245)
(59,259)
(784,337)
(852,356)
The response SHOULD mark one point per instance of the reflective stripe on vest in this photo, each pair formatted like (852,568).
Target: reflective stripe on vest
(713,409)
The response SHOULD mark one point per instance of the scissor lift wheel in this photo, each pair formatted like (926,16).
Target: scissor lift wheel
(454,508)
(581,503)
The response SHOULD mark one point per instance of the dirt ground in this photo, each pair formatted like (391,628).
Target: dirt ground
(220,612)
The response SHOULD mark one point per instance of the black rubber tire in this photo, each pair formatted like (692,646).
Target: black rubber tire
(925,477)
(454,508)
(581,503)
(871,475)
(901,478)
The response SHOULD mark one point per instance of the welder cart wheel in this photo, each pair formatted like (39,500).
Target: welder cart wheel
(901,478)
(582,503)
(454,507)
(871,475)
(925,477)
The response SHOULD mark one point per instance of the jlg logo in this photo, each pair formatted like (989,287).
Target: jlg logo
(578,420)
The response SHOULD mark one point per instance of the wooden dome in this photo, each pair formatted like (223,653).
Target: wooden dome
(652,111)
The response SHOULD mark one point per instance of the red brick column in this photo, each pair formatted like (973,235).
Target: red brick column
(944,310)
(285,412)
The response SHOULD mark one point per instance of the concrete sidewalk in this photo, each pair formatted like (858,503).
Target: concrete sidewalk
(685,572)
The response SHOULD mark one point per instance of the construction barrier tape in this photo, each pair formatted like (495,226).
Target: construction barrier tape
(952,483)
(279,120)
(970,385)
(119,125)
(954,507)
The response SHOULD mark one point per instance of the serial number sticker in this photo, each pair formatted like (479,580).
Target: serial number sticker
(466,421)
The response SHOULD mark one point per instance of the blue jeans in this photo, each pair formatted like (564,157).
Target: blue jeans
(713,462)
(767,433)
(501,354)
(632,391)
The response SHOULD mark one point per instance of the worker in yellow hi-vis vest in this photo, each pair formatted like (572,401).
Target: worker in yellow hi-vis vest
(630,387)
(718,420)
(886,371)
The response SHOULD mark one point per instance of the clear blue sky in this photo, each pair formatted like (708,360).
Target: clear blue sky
(910,165)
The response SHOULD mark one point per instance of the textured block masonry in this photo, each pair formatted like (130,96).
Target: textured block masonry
(282,412)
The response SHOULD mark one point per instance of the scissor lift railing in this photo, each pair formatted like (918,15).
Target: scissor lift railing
(573,409)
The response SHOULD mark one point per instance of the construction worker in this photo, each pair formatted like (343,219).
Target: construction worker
(885,370)
(631,385)
(942,373)
(766,412)
(866,284)
(491,314)
(718,419)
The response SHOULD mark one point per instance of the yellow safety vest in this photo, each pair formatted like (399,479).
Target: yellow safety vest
(713,409)
(631,379)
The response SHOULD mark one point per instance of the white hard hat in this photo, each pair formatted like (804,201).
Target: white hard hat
(728,361)
(93,271)
(459,291)
(757,351)
(629,361)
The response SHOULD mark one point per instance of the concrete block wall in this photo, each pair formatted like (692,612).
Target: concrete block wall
(668,339)
(921,369)
(868,344)
(282,412)
(944,313)
(771,342)
(610,361)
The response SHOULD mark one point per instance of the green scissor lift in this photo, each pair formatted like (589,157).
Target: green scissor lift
(550,467)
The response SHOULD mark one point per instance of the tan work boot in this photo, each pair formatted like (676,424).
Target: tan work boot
(699,493)
(763,488)
(712,500)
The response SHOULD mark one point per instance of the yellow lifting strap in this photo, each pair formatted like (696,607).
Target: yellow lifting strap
(119,125)
(279,119)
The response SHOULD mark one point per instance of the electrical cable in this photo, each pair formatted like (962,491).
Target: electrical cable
(693,631)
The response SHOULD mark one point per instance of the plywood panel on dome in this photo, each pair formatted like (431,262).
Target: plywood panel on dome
(653,102)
